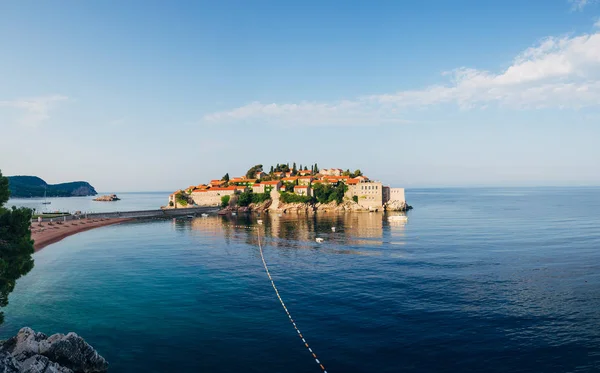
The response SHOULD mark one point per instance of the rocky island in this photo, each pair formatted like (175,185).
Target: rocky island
(31,352)
(284,188)
(33,186)
(107,198)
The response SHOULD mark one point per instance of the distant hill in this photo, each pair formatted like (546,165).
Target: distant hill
(33,186)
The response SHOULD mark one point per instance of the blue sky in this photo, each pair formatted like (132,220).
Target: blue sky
(154,95)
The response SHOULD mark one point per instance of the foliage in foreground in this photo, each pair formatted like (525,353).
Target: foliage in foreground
(16,246)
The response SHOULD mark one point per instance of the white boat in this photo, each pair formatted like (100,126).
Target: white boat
(333,229)
(319,239)
(233,214)
(204,215)
(45,200)
(398,218)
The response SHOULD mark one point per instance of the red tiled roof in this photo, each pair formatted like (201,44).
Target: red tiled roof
(291,178)
(353,181)
(225,188)
(301,187)
(274,182)
(305,177)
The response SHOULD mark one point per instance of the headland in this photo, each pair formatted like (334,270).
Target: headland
(286,189)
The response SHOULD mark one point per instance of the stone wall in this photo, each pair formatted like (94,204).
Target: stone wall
(370,194)
(210,197)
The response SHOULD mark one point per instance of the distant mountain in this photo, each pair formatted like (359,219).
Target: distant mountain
(33,186)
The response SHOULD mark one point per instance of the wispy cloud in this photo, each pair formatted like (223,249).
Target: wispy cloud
(35,110)
(597,24)
(580,4)
(561,72)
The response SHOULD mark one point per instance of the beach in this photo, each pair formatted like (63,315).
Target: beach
(47,233)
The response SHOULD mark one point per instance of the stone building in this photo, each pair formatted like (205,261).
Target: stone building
(212,196)
(267,186)
(303,190)
(305,180)
(331,171)
(396,195)
(370,194)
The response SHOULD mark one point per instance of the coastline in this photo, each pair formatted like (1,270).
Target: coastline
(49,233)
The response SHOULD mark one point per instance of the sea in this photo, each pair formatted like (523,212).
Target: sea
(477,280)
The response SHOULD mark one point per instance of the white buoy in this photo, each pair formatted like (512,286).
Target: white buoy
(333,229)
(319,239)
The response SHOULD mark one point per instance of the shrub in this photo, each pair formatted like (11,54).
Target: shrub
(355,199)
(260,197)
(245,198)
(295,198)
(171,203)
(181,199)
(225,201)
(325,193)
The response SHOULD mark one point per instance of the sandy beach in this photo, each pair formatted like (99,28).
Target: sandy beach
(47,233)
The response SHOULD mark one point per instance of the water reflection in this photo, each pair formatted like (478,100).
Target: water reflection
(352,233)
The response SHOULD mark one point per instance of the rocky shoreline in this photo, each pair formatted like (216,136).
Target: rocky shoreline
(276,206)
(34,352)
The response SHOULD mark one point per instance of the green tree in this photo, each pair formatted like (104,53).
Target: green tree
(355,199)
(356,173)
(253,170)
(272,170)
(16,246)
(316,169)
(226,177)
(225,201)
(245,198)
(294,169)
(305,168)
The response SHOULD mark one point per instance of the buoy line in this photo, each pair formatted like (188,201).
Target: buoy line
(284,307)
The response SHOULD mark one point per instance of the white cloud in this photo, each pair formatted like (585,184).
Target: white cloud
(557,73)
(35,110)
(597,24)
(580,4)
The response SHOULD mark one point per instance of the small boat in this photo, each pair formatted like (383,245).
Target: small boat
(45,201)
(233,214)
(398,218)
(190,216)
(333,229)
(319,239)
(204,215)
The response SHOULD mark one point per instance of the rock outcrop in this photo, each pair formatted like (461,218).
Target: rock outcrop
(107,198)
(31,352)
(397,206)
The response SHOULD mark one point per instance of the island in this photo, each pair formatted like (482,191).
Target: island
(107,198)
(284,188)
(33,186)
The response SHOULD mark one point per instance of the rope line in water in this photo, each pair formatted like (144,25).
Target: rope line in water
(285,308)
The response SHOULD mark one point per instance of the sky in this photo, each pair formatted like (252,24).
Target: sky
(156,96)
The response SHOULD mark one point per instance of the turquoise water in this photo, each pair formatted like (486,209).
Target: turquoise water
(494,280)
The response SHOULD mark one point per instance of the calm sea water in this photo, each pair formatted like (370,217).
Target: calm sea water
(478,280)
(129,202)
